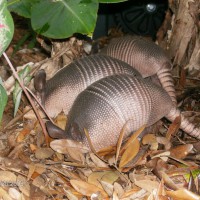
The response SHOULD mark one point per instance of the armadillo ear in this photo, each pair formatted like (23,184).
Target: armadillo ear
(40,83)
(54,131)
(40,80)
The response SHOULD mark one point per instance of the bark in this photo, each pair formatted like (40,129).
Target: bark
(184,41)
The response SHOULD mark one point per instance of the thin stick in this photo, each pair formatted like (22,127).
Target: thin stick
(29,98)
(43,109)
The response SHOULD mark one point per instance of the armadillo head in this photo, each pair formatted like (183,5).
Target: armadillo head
(73,132)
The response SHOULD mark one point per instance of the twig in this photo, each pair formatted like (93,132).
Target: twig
(15,120)
(43,109)
(29,98)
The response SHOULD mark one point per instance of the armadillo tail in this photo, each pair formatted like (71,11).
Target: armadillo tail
(165,77)
(186,126)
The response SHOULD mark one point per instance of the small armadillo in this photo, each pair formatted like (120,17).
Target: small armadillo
(144,55)
(107,105)
(59,93)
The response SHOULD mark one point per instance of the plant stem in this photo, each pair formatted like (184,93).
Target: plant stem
(29,98)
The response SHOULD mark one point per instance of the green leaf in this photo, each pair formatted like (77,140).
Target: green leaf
(21,7)
(6,26)
(24,76)
(111,1)
(62,18)
(3,99)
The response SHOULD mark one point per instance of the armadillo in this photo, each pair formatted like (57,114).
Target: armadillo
(107,105)
(59,92)
(144,55)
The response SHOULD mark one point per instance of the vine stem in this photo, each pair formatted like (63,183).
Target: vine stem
(29,98)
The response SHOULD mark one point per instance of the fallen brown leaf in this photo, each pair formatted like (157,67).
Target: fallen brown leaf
(174,127)
(182,194)
(119,142)
(130,152)
(86,189)
(181,151)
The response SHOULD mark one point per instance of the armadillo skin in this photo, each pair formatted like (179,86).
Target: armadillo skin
(144,55)
(62,89)
(108,104)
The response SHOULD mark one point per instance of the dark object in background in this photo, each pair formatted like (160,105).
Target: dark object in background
(142,17)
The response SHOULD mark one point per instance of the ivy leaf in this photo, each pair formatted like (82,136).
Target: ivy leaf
(3,99)
(6,26)
(62,18)
(24,76)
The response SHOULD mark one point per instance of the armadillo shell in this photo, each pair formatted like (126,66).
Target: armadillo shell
(145,56)
(62,89)
(108,104)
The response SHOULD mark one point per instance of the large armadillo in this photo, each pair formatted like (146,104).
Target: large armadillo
(59,93)
(144,55)
(108,104)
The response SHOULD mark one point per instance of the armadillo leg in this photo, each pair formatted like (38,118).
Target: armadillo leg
(186,126)
(165,77)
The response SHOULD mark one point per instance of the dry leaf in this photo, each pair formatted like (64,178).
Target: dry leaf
(106,176)
(97,196)
(32,168)
(14,193)
(74,149)
(61,121)
(119,142)
(150,139)
(133,137)
(43,153)
(164,141)
(182,80)
(173,128)
(33,147)
(168,181)
(118,189)
(181,151)
(115,197)
(30,114)
(23,185)
(70,195)
(182,194)
(4,195)
(7,178)
(62,145)
(95,177)
(107,187)
(134,194)
(98,162)
(39,182)
(161,189)
(22,134)
(86,189)
(89,140)
(129,153)
(164,156)
(107,151)
(148,185)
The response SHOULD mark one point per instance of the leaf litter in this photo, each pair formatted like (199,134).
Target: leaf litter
(161,165)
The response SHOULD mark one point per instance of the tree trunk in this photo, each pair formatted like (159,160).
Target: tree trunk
(184,40)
